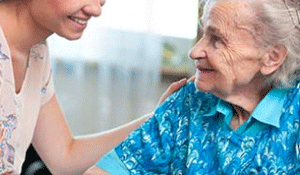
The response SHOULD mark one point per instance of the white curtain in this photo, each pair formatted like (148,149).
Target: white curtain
(112,74)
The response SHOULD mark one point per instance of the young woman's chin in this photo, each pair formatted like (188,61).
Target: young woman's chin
(73,36)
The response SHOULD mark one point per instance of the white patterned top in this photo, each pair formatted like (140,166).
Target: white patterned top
(19,111)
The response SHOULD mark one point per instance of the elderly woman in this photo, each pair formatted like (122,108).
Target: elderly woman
(241,116)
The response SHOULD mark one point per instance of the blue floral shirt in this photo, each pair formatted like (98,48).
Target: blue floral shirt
(190,134)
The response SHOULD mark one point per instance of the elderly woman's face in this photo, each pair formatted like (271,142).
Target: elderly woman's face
(67,18)
(227,57)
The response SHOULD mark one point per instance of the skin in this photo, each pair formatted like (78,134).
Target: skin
(230,62)
(32,21)
(229,52)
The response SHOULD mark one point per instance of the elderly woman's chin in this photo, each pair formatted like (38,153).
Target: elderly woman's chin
(201,84)
(208,82)
(202,80)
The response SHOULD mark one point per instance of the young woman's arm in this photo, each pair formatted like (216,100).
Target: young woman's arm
(64,154)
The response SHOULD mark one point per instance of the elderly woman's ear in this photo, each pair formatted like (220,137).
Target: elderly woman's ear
(273,59)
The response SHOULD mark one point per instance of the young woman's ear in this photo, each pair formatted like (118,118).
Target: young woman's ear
(273,59)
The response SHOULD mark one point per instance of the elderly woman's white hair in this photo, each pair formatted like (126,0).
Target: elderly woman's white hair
(277,22)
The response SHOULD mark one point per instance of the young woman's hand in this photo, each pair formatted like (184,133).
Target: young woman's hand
(174,87)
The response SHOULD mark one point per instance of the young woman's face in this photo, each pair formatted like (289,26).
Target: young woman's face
(227,57)
(67,18)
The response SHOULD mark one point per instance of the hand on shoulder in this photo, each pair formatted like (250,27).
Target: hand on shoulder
(174,87)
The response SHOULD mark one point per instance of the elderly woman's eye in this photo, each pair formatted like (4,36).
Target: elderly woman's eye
(214,40)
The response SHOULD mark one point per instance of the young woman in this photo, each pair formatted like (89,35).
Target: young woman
(29,109)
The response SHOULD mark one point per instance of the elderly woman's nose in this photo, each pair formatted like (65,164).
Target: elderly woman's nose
(102,2)
(93,7)
(197,52)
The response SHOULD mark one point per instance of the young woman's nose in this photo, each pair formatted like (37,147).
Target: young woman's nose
(93,7)
(198,51)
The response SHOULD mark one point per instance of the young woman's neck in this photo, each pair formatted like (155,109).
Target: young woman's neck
(20,29)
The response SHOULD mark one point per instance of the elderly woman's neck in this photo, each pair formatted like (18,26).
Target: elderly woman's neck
(244,104)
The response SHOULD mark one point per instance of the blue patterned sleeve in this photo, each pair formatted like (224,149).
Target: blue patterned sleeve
(148,150)
(112,164)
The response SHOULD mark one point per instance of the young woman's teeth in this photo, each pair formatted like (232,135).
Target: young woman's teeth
(79,21)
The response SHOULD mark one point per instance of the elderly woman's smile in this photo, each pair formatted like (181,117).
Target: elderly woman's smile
(228,58)
(203,69)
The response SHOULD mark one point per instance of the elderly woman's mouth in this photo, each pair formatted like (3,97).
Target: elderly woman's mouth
(205,70)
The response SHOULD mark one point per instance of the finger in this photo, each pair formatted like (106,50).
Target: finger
(172,88)
(176,85)
(192,79)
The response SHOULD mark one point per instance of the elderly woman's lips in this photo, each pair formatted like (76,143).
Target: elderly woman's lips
(204,69)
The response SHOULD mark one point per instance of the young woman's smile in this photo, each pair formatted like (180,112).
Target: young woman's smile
(67,18)
(79,23)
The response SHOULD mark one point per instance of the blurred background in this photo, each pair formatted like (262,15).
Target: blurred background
(122,64)
(117,71)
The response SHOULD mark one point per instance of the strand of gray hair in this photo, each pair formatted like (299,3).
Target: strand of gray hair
(279,28)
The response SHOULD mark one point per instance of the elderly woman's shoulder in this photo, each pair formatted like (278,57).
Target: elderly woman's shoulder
(189,92)
(190,86)
(189,89)
(293,94)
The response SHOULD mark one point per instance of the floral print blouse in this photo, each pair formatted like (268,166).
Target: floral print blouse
(190,134)
(19,110)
